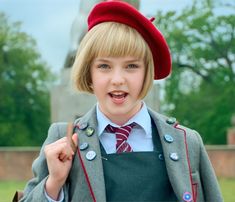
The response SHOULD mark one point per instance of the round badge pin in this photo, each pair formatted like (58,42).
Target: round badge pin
(90,155)
(171,120)
(82,126)
(161,157)
(168,138)
(83,146)
(174,156)
(187,197)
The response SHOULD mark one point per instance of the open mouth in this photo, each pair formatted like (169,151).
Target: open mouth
(118,95)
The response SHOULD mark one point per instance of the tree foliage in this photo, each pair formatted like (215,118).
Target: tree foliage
(24,88)
(201,89)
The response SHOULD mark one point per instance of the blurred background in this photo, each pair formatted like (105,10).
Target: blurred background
(38,40)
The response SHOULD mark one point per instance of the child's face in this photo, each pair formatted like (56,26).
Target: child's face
(117,83)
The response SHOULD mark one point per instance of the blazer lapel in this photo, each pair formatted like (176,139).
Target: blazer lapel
(176,158)
(91,157)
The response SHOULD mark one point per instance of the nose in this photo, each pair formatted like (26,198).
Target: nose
(118,77)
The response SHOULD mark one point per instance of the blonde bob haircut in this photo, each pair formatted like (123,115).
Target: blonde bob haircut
(110,39)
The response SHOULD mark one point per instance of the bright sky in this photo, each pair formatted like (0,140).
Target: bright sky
(49,22)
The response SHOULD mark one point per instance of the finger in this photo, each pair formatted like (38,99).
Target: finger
(61,150)
(62,156)
(57,142)
(65,158)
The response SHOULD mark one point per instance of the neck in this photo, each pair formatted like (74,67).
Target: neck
(121,119)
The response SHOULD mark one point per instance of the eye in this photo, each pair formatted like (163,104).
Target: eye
(132,66)
(103,66)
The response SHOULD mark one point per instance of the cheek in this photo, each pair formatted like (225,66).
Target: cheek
(139,79)
(98,83)
(98,80)
(138,84)
(94,79)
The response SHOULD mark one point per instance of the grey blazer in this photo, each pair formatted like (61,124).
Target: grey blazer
(190,173)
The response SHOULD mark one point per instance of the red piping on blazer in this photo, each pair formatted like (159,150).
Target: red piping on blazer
(188,161)
(195,186)
(86,176)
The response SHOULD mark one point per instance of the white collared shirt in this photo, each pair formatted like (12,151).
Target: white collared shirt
(140,138)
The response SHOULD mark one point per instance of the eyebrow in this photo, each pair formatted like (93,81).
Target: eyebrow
(101,60)
(107,60)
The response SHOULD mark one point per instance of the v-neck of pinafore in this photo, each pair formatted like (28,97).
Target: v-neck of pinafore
(137,176)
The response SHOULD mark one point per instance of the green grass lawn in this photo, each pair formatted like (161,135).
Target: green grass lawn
(8,188)
(228,189)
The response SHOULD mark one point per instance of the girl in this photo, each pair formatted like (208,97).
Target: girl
(125,151)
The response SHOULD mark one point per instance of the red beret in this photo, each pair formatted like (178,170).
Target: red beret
(117,11)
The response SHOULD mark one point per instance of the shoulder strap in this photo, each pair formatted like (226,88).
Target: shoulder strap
(18,195)
(69,133)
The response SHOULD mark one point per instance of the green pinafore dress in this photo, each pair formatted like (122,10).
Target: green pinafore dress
(137,176)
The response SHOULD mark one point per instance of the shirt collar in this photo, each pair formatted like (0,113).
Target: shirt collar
(142,118)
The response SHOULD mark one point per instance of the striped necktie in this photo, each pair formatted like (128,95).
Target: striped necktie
(122,134)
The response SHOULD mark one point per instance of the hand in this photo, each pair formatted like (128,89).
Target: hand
(59,156)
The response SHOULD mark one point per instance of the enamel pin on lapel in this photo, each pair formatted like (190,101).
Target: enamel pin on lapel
(82,126)
(83,146)
(90,155)
(187,197)
(161,157)
(171,120)
(168,138)
(174,156)
(89,131)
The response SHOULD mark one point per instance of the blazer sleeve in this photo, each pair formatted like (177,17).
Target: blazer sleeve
(209,181)
(34,190)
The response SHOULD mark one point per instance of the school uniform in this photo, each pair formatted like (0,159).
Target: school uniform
(178,168)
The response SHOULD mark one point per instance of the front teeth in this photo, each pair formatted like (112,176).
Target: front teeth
(117,94)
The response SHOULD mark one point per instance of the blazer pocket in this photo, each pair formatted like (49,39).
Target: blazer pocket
(197,188)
